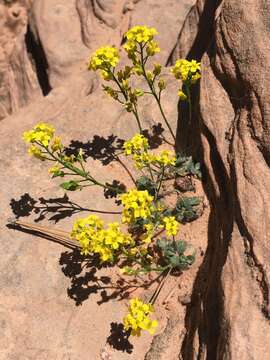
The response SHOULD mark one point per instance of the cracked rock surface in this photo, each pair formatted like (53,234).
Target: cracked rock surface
(231,131)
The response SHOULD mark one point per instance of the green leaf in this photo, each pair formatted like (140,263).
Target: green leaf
(145,183)
(174,261)
(173,253)
(186,166)
(71,185)
(186,208)
(181,247)
(59,173)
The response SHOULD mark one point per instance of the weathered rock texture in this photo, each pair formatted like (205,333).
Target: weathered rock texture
(18,81)
(230,315)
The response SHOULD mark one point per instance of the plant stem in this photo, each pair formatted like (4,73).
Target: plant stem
(134,110)
(160,181)
(160,286)
(77,171)
(126,168)
(153,92)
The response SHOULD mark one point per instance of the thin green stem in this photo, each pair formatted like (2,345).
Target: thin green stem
(77,171)
(160,181)
(126,168)
(154,93)
(154,297)
(150,172)
(134,110)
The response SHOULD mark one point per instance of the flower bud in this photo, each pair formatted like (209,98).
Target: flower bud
(149,75)
(137,69)
(125,84)
(157,69)
(161,84)
(182,95)
(138,92)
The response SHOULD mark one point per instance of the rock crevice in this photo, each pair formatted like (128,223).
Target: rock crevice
(230,131)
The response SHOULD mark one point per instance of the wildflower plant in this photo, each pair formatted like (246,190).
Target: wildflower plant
(146,240)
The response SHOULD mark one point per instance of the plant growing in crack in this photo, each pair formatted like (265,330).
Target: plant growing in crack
(146,240)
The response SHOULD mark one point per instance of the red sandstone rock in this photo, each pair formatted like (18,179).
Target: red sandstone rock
(230,315)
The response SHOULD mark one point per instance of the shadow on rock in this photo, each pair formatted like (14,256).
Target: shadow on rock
(118,338)
(55,209)
(85,281)
(107,149)
(99,148)
(154,136)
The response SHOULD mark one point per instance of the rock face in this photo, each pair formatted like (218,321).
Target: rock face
(230,315)
(18,81)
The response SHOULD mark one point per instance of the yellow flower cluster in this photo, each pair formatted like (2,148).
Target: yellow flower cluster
(42,133)
(138,147)
(143,159)
(135,145)
(171,225)
(138,318)
(187,70)
(141,35)
(36,152)
(137,204)
(56,144)
(104,59)
(93,238)
(54,170)
(165,158)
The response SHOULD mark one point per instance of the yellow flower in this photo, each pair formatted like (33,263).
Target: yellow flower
(140,34)
(187,70)
(42,134)
(69,158)
(143,160)
(54,169)
(137,37)
(104,59)
(137,144)
(165,158)
(36,152)
(171,225)
(152,48)
(56,144)
(130,46)
(137,69)
(195,77)
(94,238)
(137,204)
(106,75)
(182,95)
(138,318)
